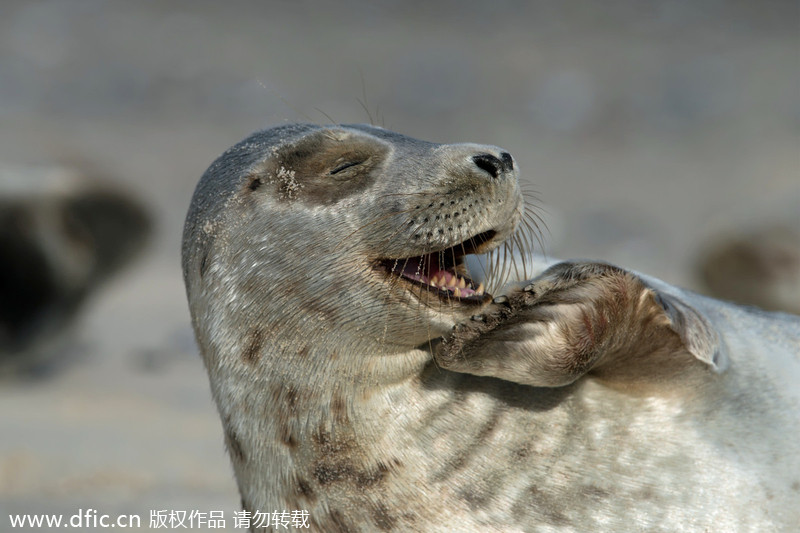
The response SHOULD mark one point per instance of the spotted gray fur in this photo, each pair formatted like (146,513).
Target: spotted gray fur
(596,400)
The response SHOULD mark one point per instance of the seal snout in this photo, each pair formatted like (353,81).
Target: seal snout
(494,165)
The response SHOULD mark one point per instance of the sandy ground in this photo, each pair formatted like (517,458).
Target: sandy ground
(646,128)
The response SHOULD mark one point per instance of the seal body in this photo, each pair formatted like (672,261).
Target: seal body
(362,374)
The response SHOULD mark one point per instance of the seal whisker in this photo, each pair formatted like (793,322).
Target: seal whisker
(536,219)
(532,206)
(509,264)
(532,221)
(335,122)
(364,94)
(517,245)
(375,221)
(400,228)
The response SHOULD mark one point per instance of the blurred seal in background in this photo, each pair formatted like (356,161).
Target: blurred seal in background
(758,267)
(62,234)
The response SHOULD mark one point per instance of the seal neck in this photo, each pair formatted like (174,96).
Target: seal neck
(320,361)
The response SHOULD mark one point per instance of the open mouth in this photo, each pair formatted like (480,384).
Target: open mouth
(443,272)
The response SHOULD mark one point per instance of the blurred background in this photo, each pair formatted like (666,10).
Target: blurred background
(652,132)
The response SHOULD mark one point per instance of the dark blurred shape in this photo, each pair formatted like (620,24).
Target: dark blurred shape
(760,268)
(61,236)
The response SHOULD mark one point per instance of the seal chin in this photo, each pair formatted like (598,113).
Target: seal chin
(441,273)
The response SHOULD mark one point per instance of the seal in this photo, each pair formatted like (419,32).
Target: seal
(756,266)
(363,374)
(63,233)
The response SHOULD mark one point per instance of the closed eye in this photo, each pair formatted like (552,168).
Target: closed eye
(345,166)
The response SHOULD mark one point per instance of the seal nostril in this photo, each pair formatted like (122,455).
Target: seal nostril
(508,161)
(489,163)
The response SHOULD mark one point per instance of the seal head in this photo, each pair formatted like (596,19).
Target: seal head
(373,219)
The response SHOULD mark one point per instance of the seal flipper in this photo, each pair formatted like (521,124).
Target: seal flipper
(579,318)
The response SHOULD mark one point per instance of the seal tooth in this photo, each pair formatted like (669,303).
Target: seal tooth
(435,280)
(480,290)
(461,283)
(451,282)
(457,292)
